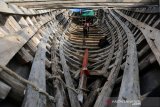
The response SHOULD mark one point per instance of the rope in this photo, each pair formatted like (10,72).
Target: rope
(12,73)
(58,77)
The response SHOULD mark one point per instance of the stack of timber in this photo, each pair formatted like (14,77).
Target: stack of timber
(42,54)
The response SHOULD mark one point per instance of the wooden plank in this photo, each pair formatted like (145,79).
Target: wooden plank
(25,55)
(72,95)
(11,45)
(145,62)
(70,1)
(17,87)
(13,23)
(35,40)
(149,59)
(47,63)
(71,4)
(152,19)
(22,22)
(151,9)
(93,94)
(25,10)
(15,8)
(5,23)
(129,90)
(34,20)
(143,51)
(4,90)
(32,47)
(4,7)
(3,31)
(60,96)
(13,42)
(109,84)
(151,34)
(110,54)
(156,23)
(37,76)
(29,21)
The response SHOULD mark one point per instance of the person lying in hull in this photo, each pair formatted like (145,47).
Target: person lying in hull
(103,42)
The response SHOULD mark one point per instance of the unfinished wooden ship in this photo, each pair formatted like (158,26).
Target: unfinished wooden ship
(42,54)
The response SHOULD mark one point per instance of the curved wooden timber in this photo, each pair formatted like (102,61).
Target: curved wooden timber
(43,62)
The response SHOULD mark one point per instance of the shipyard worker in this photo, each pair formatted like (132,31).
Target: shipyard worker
(85,33)
(87,26)
(103,42)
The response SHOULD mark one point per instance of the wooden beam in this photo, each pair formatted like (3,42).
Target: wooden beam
(60,94)
(72,95)
(4,90)
(17,87)
(129,90)
(75,4)
(111,52)
(25,55)
(93,94)
(143,50)
(37,76)
(13,9)
(152,9)
(64,1)
(109,84)
(11,45)
(149,59)
(151,34)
